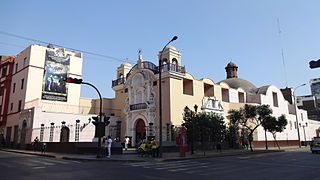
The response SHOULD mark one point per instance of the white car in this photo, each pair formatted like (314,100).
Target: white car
(315,145)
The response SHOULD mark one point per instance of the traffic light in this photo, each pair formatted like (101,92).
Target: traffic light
(314,64)
(73,80)
(98,125)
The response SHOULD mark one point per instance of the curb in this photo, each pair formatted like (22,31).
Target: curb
(29,153)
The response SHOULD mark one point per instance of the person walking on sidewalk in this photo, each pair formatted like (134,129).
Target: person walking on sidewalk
(108,145)
(44,148)
(126,142)
(35,143)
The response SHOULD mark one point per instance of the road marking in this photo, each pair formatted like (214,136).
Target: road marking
(139,163)
(76,162)
(41,162)
(38,167)
(182,165)
(57,161)
(149,164)
(186,169)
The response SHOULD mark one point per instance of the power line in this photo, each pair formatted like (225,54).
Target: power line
(69,48)
(282,53)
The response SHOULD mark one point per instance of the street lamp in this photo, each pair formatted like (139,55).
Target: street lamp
(295,107)
(192,132)
(160,96)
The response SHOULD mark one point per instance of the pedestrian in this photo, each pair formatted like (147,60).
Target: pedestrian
(109,144)
(126,142)
(35,143)
(44,148)
(143,148)
(154,148)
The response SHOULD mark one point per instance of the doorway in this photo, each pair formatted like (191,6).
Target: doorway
(64,135)
(140,131)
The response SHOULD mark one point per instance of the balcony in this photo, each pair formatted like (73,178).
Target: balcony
(118,82)
(138,106)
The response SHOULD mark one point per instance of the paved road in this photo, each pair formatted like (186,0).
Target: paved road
(287,165)
(300,165)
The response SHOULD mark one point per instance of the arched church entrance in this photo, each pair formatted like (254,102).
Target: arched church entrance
(140,131)
(64,135)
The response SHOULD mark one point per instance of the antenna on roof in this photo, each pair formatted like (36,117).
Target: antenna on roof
(282,53)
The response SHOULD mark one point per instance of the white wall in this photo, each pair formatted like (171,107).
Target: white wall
(290,133)
(40,117)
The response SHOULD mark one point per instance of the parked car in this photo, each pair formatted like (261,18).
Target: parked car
(315,145)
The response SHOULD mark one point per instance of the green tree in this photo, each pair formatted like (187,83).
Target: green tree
(274,125)
(203,127)
(250,117)
(232,135)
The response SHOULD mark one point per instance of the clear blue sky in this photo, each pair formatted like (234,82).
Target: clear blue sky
(211,33)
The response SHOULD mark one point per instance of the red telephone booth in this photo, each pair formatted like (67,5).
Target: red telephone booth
(181,140)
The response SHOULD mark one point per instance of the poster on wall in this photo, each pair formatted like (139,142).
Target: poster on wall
(56,69)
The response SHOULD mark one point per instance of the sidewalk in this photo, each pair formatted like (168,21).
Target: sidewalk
(167,156)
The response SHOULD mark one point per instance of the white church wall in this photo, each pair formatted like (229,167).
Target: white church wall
(46,118)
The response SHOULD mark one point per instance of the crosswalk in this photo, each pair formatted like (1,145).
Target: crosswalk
(184,166)
(36,163)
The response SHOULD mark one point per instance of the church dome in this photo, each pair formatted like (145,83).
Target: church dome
(236,83)
(231,64)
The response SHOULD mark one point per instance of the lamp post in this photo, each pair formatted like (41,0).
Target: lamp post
(295,107)
(160,96)
(192,126)
(99,153)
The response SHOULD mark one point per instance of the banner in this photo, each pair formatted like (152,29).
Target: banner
(56,70)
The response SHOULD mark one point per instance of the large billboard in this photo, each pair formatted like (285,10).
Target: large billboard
(56,70)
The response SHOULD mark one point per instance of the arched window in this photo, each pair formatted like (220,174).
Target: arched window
(120,76)
(174,66)
(165,65)
(165,61)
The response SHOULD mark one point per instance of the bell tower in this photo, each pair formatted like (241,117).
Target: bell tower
(170,55)
(232,70)
(123,70)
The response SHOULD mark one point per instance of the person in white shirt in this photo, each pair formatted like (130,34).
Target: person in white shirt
(126,142)
(108,146)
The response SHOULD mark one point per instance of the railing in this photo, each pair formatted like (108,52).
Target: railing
(150,65)
(173,68)
(155,69)
(118,82)
(138,106)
